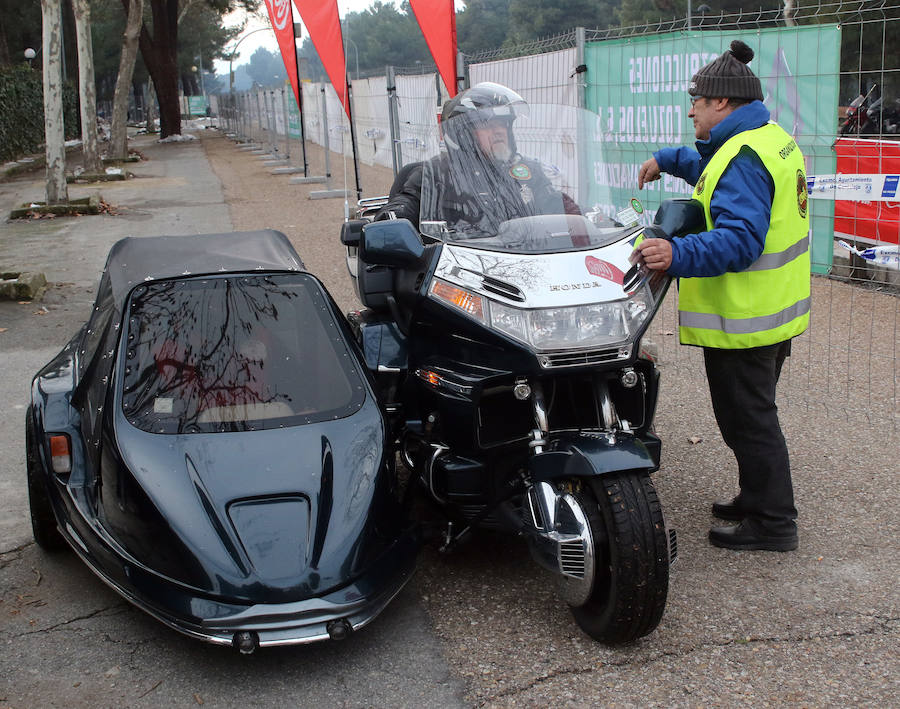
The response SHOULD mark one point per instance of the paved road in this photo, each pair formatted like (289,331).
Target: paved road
(818,627)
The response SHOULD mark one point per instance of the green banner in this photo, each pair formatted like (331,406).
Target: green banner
(293,118)
(638,87)
(197,105)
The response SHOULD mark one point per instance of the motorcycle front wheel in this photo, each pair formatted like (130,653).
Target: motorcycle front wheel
(630,581)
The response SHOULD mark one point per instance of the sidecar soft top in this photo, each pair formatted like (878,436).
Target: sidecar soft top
(210,445)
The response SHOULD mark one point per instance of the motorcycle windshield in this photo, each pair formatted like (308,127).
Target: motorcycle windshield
(520,180)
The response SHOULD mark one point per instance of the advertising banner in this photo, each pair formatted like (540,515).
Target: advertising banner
(293,121)
(281,15)
(324,28)
(868,206)
(437,19)
(638,86)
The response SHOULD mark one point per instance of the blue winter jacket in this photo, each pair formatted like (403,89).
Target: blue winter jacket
(740,207)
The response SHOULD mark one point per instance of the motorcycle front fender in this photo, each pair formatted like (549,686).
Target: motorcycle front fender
(585,455)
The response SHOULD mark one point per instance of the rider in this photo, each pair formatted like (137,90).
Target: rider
(481,180)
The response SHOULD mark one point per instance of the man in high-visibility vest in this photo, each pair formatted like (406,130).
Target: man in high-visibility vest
(745,283)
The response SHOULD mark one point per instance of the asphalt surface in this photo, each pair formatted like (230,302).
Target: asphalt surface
(816,627)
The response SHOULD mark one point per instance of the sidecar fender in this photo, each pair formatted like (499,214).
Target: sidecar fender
(587,455)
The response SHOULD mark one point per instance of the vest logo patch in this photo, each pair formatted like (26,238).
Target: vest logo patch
(701,183)
(802,194)
(520,172)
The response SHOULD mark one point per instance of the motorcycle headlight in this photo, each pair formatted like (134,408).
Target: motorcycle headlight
(590,326)
(575,327)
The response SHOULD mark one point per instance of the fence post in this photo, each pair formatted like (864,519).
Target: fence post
(258,114)
(394,120)
(287,128)
(579,62)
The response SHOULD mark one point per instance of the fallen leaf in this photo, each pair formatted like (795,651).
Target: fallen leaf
(695,439)
(3,329)
(24,302)
(198,699)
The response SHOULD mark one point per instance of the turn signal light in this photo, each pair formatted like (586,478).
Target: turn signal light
(468,302)
(60,454)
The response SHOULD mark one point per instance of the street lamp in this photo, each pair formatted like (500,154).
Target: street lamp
(355,48)
(30,54)
(233,53)
(356,53)
(202,89)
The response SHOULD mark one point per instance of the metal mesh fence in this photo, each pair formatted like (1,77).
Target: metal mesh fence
(845,365)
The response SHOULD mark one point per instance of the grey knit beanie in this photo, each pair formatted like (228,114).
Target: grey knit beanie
(728,76)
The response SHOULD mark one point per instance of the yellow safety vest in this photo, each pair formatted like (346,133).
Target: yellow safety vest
(768,302)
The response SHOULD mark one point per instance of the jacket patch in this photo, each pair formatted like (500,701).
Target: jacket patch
(701,183)
(520,171)
(802,194)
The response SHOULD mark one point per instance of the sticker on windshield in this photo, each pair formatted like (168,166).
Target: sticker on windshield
(636,205)
(629,216)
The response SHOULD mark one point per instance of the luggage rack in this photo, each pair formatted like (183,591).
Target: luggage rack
(368,207)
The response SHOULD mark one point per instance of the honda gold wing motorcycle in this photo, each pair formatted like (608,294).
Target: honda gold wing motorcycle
(504,337)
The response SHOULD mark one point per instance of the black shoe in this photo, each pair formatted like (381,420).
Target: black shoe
(730,510)
(742,537)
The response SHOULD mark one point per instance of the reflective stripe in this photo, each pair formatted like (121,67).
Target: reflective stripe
(743,326)
(778,259)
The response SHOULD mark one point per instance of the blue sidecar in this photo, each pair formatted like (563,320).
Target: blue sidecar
(210,444)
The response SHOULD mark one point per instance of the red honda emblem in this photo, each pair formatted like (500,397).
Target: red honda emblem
(604,269)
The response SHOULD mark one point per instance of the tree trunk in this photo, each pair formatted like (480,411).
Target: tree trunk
(54,131)
(160,54)
(151,108)
(86,88)
(118,142)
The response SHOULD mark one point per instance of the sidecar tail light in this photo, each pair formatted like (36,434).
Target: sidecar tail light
(60,454)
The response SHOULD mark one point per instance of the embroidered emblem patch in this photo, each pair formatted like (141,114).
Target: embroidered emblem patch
(802,193)
(520,172)
(701,183)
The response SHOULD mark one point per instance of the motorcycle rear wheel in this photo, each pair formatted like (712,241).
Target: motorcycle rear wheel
(631,569)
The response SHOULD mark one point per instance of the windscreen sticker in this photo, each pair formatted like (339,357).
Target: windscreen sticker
(162,405)
(628,216)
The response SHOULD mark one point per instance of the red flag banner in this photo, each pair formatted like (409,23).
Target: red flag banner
(282,18)
(437,18)
(324,27)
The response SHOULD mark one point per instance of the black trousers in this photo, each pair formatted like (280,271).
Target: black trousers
(742,388)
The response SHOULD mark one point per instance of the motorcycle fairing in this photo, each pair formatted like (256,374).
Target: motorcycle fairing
(540,280)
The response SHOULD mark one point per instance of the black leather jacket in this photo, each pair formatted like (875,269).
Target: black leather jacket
(518,189)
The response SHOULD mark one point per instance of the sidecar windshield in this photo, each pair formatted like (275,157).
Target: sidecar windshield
(521,182)
(214,354)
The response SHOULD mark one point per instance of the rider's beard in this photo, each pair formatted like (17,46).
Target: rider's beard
(501,152)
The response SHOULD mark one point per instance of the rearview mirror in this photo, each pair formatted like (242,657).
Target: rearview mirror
(392,242)
(351,231)
(678,217)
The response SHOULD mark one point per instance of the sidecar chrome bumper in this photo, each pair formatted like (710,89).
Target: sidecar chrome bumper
(270,624)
